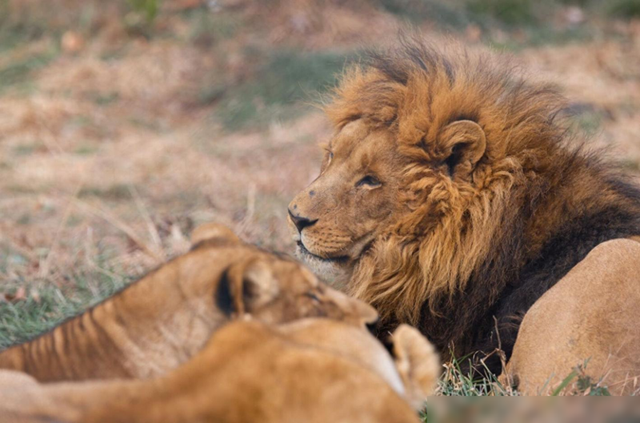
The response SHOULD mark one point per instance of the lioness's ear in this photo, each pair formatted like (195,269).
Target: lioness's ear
(417,362)
(211,231)
(464,144)
(246,286)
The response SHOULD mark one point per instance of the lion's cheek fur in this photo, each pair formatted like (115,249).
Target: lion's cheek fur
(431,252)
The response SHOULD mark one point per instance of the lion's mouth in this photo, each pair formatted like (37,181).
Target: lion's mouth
(308,254)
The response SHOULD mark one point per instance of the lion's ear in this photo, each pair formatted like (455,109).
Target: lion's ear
(213,231)
(464,144)
(245,286)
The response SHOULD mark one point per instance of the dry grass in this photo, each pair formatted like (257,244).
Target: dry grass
(113,143)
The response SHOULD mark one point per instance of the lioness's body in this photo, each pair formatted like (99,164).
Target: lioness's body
(316,370)
(592,317)
(162,320)
(450,198)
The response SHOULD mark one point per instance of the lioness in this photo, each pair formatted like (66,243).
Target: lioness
(313,370)
(163,319)
(590,316)
(449,197)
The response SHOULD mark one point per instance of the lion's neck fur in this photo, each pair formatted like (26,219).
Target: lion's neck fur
(459,261)
(431,256)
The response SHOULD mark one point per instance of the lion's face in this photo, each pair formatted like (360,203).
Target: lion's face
(339,215)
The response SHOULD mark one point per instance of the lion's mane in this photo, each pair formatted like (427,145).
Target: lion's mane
(471,249)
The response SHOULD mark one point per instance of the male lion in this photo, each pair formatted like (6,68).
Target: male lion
(449,197)
(312,370)
(163,319)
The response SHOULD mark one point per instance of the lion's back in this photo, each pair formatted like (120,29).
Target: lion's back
(590,316)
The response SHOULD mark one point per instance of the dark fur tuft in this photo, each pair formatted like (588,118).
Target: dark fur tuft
(224,299)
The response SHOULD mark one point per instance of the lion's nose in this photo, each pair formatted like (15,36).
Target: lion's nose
(301,222)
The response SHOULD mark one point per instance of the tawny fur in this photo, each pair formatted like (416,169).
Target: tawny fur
(315,370)
(163,319)
(589,317)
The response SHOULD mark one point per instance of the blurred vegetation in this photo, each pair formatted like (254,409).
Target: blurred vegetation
(17,28)
(533,20)
(286,79)
(141,18)
(29,308)
(281,80)
(624,8)
(147,8)
(18,72)
(206,28)
(455,14)
(445,14)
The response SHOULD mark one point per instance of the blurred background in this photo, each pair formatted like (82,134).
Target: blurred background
(124,123)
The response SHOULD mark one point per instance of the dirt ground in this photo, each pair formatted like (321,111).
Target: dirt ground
(113,142)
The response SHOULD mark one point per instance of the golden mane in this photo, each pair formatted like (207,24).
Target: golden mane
(479,203)
(416,91)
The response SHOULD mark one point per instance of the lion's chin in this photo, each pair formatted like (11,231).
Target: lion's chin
(333,271)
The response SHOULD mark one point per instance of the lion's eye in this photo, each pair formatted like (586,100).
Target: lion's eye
(313,296)
(369,181)
(327,159)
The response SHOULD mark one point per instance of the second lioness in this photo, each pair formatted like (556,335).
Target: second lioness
(163,319)
(310,370)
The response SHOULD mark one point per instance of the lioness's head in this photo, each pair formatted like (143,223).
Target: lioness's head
(271,288)
(413,185)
